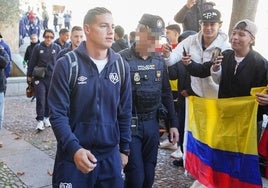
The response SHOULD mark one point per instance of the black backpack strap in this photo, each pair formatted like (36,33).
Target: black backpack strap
(72,59)
(121,70)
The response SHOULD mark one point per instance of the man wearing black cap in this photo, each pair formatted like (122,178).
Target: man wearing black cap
(150,89)
(201,47)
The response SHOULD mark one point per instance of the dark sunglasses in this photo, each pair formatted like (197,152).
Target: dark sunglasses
(49,37)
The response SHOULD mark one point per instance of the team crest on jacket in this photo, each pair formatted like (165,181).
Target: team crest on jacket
(114,77)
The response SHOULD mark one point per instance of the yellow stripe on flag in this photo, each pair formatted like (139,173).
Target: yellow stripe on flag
(228,124)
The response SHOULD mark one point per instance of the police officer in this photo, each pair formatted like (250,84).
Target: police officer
(43,55)
(150,89)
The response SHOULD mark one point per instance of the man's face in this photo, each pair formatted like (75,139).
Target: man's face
(101,32)
(77,38)
(65,37)
(241,40)
(34,39)
(147,41)
(172,35)
(210,29)
(48,38)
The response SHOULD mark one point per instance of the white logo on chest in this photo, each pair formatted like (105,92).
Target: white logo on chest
(114,78)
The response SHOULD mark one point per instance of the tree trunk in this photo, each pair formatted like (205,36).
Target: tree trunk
(243,9)
(9,23)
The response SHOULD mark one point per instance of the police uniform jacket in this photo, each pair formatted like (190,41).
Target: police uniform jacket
(150,85)
(96,114)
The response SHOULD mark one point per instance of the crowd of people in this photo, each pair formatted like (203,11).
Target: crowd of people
(104,96)
(33,23)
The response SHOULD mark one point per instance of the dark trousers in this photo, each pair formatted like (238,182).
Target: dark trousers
(41,91)
(181,117)
(140,170)
(67,25)
(107,174)
(45,24)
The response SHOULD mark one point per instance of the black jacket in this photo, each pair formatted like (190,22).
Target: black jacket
(189,18)
(29,50)
(250,73)
(178,71)
(119,45)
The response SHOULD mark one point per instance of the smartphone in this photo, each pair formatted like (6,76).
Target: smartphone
(184,51)
(215,54)
(165,40)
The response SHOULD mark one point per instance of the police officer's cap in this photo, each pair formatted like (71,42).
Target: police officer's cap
(154,22)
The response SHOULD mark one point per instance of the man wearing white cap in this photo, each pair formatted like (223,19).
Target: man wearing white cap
(237,70)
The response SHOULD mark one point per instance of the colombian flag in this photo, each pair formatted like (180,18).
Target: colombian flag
(221,142)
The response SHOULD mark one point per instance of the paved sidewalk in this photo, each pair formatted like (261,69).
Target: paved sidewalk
(29,163)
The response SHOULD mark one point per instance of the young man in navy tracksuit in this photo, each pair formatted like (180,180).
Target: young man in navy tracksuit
(43,55)
(91,120)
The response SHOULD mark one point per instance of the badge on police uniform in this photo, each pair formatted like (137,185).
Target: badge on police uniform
(158,76)
(137,77)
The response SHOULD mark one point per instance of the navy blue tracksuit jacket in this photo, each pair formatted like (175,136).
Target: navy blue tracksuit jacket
(95,115)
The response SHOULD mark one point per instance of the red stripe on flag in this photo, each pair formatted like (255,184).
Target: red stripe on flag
(263,148)
(210,178)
